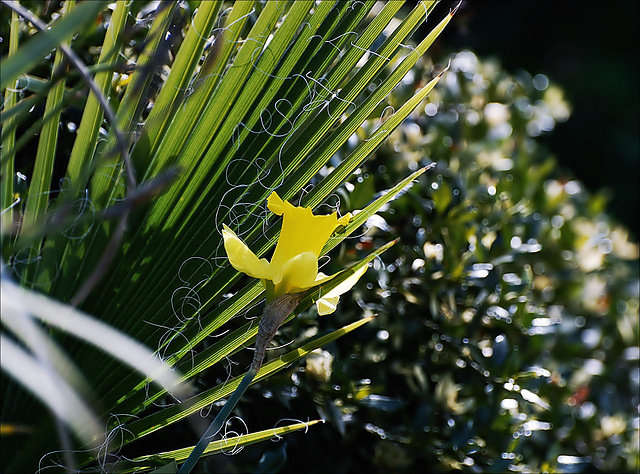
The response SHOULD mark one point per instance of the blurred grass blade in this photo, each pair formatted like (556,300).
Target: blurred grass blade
(90,330)
(42,43)
(38,199)
(10,98)
(53,391)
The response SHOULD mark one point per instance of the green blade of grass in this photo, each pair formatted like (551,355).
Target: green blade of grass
(8,199)
(227,445)
(38,199)
(93,115)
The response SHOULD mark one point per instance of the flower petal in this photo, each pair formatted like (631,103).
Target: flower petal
(276,204)
(322,278)
(242,258)
(297,274)
(327,305)
(347,284)
(329,302)
(301,230)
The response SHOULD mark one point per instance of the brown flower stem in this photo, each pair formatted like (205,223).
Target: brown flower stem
(274,315)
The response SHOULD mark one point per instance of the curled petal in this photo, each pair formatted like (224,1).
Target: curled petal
(302,231)
(347,284)
(242,258)
(276,204)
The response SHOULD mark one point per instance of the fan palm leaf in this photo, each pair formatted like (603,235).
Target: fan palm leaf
(225,104)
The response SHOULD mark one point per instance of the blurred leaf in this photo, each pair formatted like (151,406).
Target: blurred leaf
(273,460)
(45,41)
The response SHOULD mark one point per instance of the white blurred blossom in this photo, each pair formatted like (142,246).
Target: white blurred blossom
(319,365)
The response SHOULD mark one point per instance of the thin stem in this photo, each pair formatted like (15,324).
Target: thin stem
(217,423)
(274,315)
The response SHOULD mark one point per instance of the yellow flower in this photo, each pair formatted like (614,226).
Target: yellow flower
(294,265)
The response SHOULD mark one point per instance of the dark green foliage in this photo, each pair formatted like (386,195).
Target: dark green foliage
(507,328)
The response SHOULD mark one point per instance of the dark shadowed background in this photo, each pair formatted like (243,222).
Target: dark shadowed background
(590,50)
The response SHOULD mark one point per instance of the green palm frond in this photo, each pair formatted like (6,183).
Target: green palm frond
(242,99)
